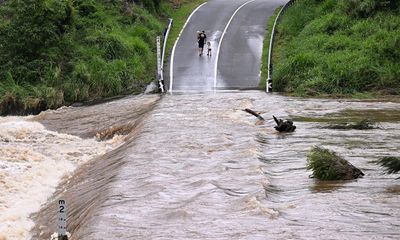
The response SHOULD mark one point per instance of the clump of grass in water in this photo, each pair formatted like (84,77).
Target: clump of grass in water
(360,125)
(392,164)
(326,165)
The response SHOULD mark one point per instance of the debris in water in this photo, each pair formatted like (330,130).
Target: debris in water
(392,164)
(326,165)
(284,126)
(55,236)
(360,125)
(112,131)
(254,113)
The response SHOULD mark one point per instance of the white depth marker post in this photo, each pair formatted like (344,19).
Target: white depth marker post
(159,63)
(62,219)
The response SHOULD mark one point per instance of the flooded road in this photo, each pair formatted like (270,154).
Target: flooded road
(32,160)
(199,167)
(36,152)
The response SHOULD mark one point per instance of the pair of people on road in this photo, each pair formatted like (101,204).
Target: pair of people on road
(201,40)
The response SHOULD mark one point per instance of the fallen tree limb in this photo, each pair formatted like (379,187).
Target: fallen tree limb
(254,114)
(284,126)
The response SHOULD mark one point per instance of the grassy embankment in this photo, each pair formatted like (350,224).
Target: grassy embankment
(338,47)
(57,52)
(264,62)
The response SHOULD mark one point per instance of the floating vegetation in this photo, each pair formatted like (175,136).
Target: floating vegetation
(392,164)
(360,125)
(351,115)
(326,165)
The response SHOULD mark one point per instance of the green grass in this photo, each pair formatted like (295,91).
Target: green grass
(267,37)
(327,165)
(391,164)
(340,48)
(76,50)
(363,124)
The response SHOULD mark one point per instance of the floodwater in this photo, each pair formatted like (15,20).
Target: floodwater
(196,166)
(34,158)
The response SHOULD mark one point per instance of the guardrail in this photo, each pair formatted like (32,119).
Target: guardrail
(160,62)
(268,86)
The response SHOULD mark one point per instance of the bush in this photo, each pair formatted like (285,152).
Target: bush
(392,164)
(332,47)
(326,165)
(365,8)
(74,50)
(360,125)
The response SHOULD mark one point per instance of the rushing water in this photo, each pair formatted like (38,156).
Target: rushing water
(33,158)
(198,167)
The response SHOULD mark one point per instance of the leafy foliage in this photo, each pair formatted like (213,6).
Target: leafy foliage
(338,47)
(392,164)
(326,165)
(55,52)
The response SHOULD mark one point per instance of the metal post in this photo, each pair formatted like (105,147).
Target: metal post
(165,41)
(159,70)
(166,33)
(268,86)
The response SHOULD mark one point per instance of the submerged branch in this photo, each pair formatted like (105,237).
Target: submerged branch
(254,114)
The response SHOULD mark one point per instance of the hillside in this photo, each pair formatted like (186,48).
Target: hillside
(56,52)
(339,47)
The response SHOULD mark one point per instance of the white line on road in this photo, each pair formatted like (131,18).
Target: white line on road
(171,70)
(222,37)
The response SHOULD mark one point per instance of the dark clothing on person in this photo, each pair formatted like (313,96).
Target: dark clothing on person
(201,40)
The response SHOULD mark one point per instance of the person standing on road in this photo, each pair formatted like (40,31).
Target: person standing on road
(201,39)
(209,49)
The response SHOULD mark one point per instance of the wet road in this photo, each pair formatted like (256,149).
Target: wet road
(235,61)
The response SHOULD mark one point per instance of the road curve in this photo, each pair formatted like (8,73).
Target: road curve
(239,57)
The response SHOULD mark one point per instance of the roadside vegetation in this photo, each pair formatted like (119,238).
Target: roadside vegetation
(338,47)
(264,62)
(57,52)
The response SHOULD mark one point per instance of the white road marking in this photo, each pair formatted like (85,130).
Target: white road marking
(222,38)
(171,71)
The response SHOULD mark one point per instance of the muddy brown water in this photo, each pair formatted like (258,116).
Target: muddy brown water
(198,167)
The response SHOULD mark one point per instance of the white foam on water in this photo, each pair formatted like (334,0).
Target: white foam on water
(33,160)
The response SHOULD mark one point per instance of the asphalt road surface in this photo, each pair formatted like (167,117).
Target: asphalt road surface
(236,30)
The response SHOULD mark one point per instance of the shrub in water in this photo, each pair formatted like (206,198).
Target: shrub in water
(392,164)
(326,165)
(360,125)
